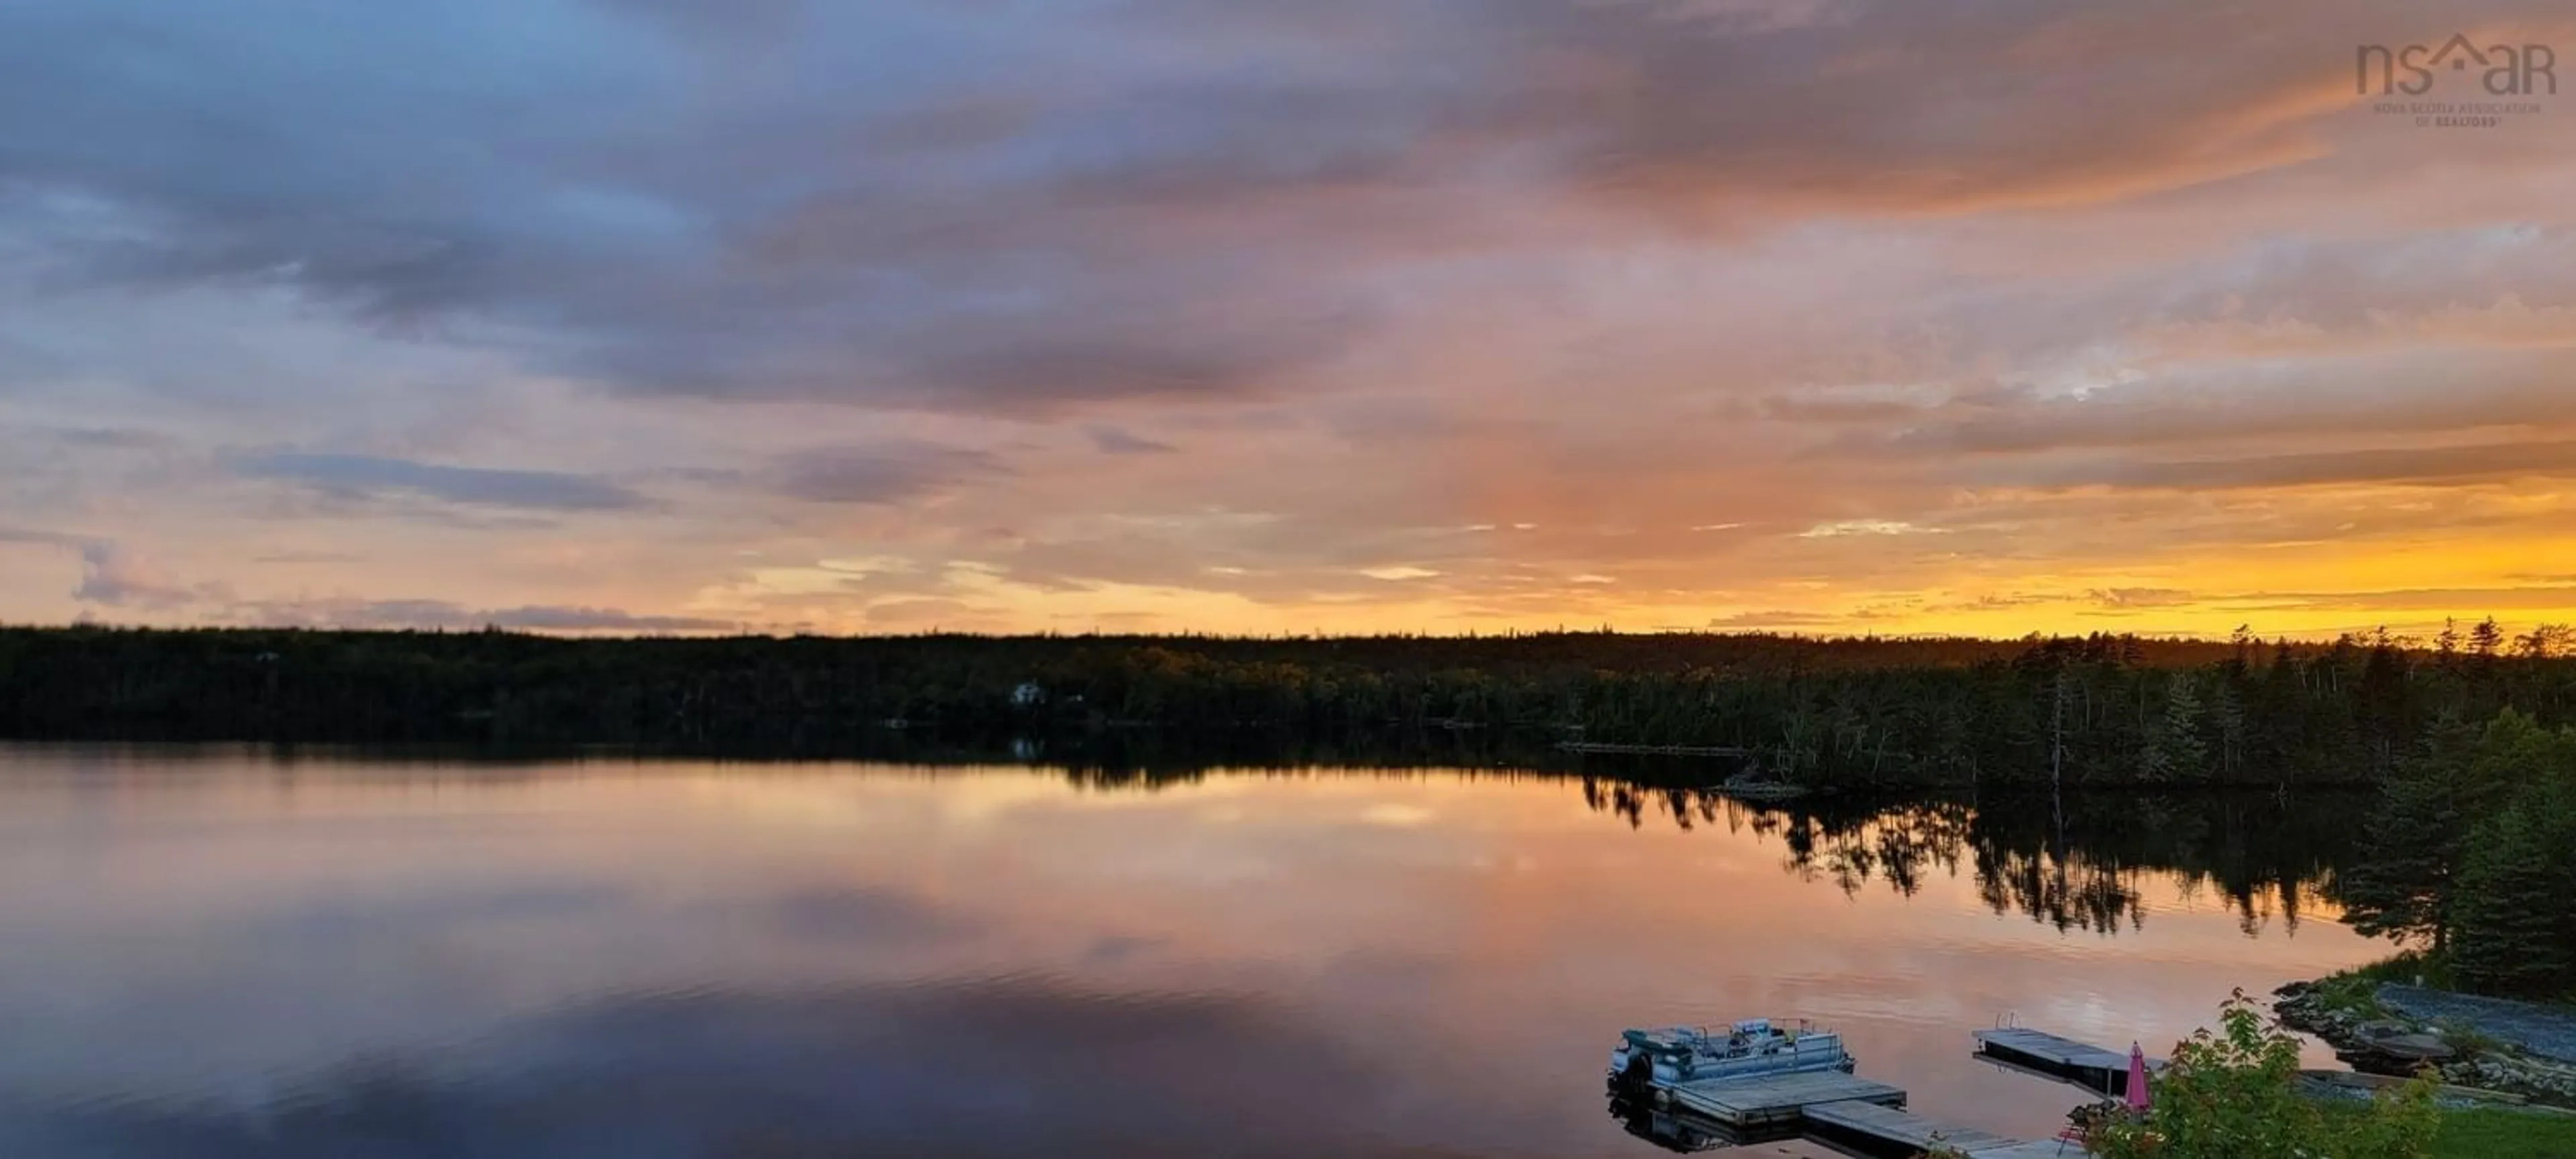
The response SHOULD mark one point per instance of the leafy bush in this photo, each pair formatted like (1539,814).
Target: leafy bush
(2235,1095)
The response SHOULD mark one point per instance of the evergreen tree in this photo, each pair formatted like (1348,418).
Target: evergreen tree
(2400,885)
(2385,713)
(2177,750)
(2486,639)
(2227,708)
(2515,934)
(2280,730)
(2542,642)
(2479,842)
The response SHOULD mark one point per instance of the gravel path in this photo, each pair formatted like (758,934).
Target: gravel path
(2541,1030)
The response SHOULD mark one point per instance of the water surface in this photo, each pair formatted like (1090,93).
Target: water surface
(229,952)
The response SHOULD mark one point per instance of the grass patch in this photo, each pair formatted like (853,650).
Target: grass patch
(2355,996)
(2414,967)
(2356,991)
(2468,1040)
(2493,1134)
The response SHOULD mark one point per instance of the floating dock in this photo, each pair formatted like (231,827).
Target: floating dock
(1777,1101)
(2064,1059)
(1878,1129)
(1853,1114)
(2017,1150)
(1862,1117)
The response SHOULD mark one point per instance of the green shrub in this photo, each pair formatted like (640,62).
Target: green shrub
(2235,1095)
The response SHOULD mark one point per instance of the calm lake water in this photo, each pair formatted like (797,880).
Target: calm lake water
(218,952)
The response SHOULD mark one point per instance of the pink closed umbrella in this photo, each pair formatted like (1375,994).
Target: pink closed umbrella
(2137,1078)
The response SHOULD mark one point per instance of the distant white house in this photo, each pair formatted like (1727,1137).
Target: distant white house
(1028,695)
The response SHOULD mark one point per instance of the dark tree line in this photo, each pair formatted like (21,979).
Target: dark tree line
(1855,713)
(2471,857)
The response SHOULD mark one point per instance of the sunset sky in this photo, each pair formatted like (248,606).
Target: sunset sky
(1279,316)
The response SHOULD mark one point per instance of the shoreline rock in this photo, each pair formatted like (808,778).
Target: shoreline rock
(2381,1040)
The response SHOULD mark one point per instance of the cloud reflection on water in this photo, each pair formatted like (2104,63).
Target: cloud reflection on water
(220,955)
(983,1067)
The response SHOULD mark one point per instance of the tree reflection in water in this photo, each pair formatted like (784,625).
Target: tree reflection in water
(2073,864)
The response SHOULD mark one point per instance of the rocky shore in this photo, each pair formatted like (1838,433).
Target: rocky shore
(2480,1043)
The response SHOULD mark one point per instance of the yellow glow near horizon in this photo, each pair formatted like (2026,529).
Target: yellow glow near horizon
(1563,339)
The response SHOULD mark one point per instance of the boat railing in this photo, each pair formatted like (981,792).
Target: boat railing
(1783,1027)
(1787,1028)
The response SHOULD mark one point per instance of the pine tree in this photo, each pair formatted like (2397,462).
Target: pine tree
(2486,639)
(2280,712)
(2177,751)
(2400,884)
(2478,842)
(2228,710)
(2385,709)
(2514,930)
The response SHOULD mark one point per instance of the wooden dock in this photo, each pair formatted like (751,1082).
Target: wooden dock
(1862,1117)
(1853,1114)
(2064,1059)
(1880,1129)
(1777,1101)
(2050,1149)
